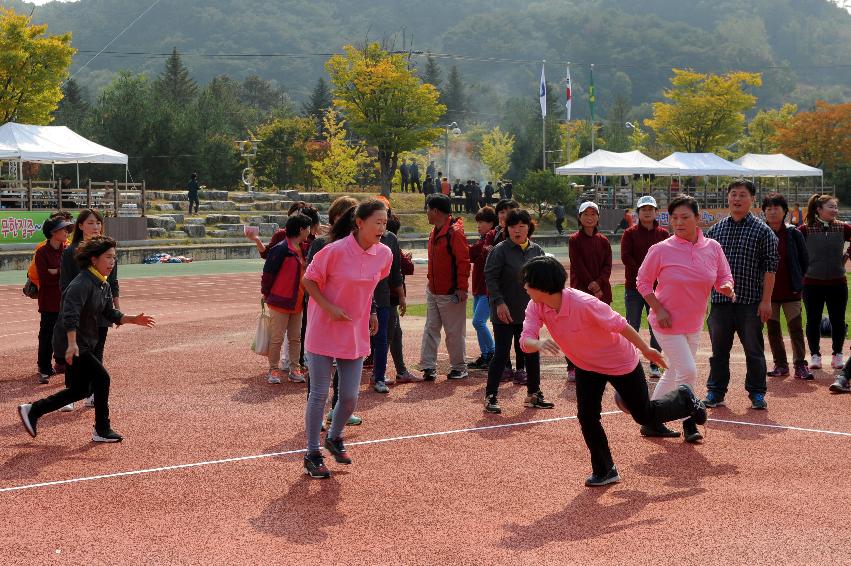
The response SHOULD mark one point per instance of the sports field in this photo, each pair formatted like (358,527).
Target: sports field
(210,468)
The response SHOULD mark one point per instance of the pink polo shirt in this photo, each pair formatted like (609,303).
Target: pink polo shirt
(347,275)
(686,273)
(587,330)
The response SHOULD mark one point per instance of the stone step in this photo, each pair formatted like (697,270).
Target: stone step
(248,207)
(268,228)
(219,234)
(195,230)
(198,221)
(177,217)
(208,194)
(279,219)
(156,232)
(234,228)
(223,219)
(240,197)
(222,205)
(164,222)
(272,205)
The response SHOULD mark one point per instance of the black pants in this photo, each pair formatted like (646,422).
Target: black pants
(98,351)
(836,298)
(303,332)
(45,342)
(415,184)
(394,341)
(503,335)
(560,225)
(85,374)
(404,184)
(632,387)
(193,198)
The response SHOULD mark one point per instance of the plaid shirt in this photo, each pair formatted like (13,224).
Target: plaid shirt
(751,250)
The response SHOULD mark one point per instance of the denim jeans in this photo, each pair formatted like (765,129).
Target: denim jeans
(635,305)
(379,345)
(725,321)
(481,316)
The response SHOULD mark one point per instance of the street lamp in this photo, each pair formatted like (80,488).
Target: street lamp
(456,131)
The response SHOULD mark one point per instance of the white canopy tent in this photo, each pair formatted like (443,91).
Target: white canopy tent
(704,164)
(776,165)
(603,162)
(53,145)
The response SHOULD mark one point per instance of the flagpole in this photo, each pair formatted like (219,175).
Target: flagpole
(568,92)
(544,124)
(592,100)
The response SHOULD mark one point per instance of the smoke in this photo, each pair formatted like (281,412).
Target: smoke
(462,166)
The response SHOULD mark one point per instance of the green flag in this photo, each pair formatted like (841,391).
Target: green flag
(592,95)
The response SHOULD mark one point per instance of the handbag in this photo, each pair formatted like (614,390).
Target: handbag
(260,344)
(30,289)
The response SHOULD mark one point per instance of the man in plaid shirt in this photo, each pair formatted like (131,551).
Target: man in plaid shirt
(751,249)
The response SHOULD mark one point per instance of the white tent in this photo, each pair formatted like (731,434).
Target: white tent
(603,162)
(776,165)
(704,164)
(52,144)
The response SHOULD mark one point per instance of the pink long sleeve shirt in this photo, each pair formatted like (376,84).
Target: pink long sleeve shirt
(686,273)
(347,276)
(587,330)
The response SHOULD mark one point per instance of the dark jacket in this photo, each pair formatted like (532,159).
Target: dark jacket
(192,185)
(47,257)
(403,172)
(84,303)
(797,258)
(70,269)
(281,280)
(414,172)
(383,295)
(502,274)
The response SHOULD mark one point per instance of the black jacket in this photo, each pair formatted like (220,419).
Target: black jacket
(383,295)
(84,302)
(69,269)
(797,257)
(502,275)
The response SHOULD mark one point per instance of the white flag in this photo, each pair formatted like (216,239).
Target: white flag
(567,88)
(543,94)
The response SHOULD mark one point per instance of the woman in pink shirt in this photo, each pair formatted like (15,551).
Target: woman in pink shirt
(686,267)
(604,348)
(341,281)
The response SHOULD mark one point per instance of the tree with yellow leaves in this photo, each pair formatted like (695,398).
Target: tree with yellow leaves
(342,161)
(706,112)
(496,152)
(32,68)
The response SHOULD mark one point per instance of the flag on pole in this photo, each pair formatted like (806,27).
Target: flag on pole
(569,95)
(543,94)
(592,95)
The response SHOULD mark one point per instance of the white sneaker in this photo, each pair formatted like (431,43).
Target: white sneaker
(815,362)
(67,408)
(90,401)
(837,362)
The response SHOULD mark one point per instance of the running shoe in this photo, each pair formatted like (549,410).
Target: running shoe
(296,376)
(67,408)
(314,465)
(658,431)
(714,399)
(609,477)
(520,377)
(837,362)
(354,420)
(337,449)
(536,401)
(695,405)
(482,362)
(655,373)
(803,372)
(44,378)
(815,362)
(90,401)
(457,374)
(107,435)
(507,375)
(492,405)
(407,377)
(429,374)
(24,414)
(274,376)
(380,387)
(841,385)
(690,432)
(757,402)
(779,371)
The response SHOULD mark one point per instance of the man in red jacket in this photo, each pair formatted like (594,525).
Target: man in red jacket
(635,242)
(446,294)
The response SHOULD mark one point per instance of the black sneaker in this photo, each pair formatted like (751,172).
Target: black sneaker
(482,362)
(314,465)
(107,435)
(658,430)
(457,374)
(429,374)
(698,409)
(690,432)
(841,385)
(29,424)
(598,481)
(492,404)
(337,449)
(536,401)
(44,377)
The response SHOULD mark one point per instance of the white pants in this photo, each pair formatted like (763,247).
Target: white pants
(681,352)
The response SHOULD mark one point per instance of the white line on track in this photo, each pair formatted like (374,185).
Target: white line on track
(374,441)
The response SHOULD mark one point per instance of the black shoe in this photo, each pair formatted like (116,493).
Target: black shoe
(429,375)
(492,405)
(841,384)
(536,401)
(106,435)
(29,423)
(483,362)
(337,449)
(658,430)
(457,374)
(695,405)
(690,432)
(314,465)
(598,481)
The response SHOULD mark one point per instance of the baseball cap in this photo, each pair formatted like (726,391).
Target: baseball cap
(646,200)
(54,224)
(588,204)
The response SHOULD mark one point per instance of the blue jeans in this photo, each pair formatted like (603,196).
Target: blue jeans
(379,344)
(635,305)
(481,316)
(725,321)
(321,369)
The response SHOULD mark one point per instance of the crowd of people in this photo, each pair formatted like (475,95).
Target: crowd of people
(336,296)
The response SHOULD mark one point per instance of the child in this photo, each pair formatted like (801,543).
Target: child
(604,348)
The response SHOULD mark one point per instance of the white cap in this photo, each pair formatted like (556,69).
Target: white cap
(588,204)
(646,200)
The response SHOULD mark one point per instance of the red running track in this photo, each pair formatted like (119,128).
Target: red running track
(435,480)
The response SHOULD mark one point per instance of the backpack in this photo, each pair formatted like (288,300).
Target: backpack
(30,289)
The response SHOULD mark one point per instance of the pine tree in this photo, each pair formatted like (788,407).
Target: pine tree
(73,107)
(432,73)
(455,97)
(174,85)
(260,94)
(319,102)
